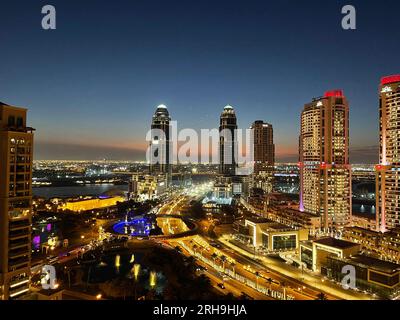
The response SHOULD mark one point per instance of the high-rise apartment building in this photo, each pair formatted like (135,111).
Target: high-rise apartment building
(388,171)
(264,155)
(16,150)
(160,144)
(325,172)
(228,142)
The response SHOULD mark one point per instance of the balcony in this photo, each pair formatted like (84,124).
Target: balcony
(18,281)
(20,225)
(19,291)
(19,234)
(15,264)
(19,244)
(23,252)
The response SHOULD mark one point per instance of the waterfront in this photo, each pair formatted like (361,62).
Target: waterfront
(74,191)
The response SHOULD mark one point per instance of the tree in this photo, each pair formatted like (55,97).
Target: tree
(233,265)
(257,274)
(283,285)
(322,296)
(214,256)
(178,249)
(270,281)
(197,211)
(223,259)
(117,288)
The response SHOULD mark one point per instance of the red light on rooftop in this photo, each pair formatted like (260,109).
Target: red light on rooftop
(390,79)
(334,93)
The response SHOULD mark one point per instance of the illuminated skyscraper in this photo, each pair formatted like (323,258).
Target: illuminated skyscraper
(16,150)
(325,172)
(388,171)
(264,155)
(160,145)
(228,142)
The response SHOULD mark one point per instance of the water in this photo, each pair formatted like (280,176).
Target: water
(74,191)
(364,209)
(138,227)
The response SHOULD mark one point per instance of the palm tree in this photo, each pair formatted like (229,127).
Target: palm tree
(233,265)
(178,249)
(322,296)
(257,276)
(214,256)
(283,285)
(270,281)
(223,259)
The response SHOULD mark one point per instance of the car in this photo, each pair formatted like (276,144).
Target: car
(221,285)
(203,268)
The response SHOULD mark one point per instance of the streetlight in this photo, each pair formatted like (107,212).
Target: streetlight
(99,296)
(153,279)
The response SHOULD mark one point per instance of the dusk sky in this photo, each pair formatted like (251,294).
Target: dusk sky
(92,85)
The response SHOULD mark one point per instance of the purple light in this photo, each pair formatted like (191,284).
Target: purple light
(36,242)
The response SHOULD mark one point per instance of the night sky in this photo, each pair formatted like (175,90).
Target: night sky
(92,85)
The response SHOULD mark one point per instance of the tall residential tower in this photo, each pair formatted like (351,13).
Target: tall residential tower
(228,142)
(16,150)
(388,171)
(325,172)
(264,155)
(160,144)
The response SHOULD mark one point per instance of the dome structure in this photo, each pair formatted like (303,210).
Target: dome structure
(161,111)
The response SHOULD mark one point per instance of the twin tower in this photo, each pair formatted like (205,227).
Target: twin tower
(160,145)
(264,150)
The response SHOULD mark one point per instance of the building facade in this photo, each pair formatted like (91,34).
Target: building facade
(147,187)
(264,156)
(325,172)
(388,171)
(228,142)
(16,152)
(264,234)
(83,205)
(160,145)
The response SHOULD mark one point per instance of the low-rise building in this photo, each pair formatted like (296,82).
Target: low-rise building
(90,204)
(319,250)
(295,218)
(265,234)
(384,246)
(144,187)
(371,274)
(365,222)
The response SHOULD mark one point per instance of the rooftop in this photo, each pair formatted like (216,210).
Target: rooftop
(258,219)
(277,227)
(374,264)
(390,79)
(336,243)
(334,93)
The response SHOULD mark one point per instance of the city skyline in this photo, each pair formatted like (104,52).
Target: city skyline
(76,88)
